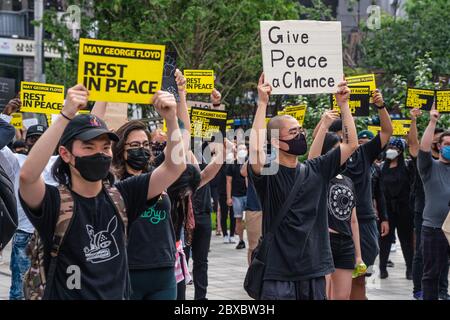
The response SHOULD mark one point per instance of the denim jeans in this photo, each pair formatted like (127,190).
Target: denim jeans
(19,264)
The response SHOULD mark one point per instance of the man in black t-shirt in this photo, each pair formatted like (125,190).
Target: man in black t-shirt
(358,168)
(300,254)
(92,262)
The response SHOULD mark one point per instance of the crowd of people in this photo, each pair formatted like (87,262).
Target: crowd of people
(119,215)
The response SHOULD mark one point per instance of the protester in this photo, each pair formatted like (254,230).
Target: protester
(419,205)
(237,192)
(226,211)
(397,175)
(300,254)
(342,221)
(95,241)
(358,169)
(435,175)
(253,215)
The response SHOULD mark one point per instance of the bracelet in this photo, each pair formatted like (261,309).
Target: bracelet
(382,107)
(65,116)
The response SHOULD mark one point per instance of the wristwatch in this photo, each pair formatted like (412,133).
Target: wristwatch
(382,107)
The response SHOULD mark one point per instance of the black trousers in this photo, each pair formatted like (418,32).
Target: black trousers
(199,250)
(225,210)
(418,260)
(435,251)
(401,219)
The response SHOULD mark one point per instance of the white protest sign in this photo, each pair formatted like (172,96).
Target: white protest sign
(30,122)
(301,56)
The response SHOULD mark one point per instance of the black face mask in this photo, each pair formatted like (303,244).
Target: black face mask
(297,145)
(93,168)
(138,158)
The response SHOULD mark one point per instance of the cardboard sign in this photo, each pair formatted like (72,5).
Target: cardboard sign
(120,71)
(169,83)
(401,127)
(199,81)
(443,101)
(374,129)
(205,123)
(419,98)
(302,57)
(359,102)
(16,120)
(7,91)
(298,112)
(41,97)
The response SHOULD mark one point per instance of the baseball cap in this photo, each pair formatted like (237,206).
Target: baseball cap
(36,130)
(365,134)
(86,127)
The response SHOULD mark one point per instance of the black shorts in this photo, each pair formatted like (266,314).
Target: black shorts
(343,250)
(369,235)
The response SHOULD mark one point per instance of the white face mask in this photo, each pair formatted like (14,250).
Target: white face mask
(391,154)
(242,154)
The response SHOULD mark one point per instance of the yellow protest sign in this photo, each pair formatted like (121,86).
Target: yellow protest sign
(41,97)
(298,112)
(419,98)
(120,71)
(16,120)
(362,80)
(199,81)
(205,123)
(358,103)
(229,123)
(443,101)
(401,127)
(374,129)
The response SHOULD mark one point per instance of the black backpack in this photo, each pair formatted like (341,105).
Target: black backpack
(8,209)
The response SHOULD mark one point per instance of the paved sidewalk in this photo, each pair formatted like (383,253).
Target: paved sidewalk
(227,267)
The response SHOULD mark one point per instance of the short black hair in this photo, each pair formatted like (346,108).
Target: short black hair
(444,134)
(438,130)
(336,126)
(19,144)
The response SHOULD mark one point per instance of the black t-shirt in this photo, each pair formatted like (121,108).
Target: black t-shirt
(301,247)
(419,194)
(358,169)
(378,193)
(238,186)
(222,180)
(95,241)
(396,181)
(341,201)
(201,200)
(151,238)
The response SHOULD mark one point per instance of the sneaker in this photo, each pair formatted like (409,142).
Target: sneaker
(241,245)
(444,296)
(232,240)
(393,247)
(390,264)
(226,239)
(418,295)
(384,274)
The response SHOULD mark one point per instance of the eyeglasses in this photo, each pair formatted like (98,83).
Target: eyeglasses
(137,144)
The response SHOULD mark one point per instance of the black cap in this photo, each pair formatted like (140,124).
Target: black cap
(36,130)
(86,127)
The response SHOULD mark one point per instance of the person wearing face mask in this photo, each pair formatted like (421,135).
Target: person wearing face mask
(151,240)
(300,253)
(419,205)
(435,175)
(397,175)
(158,141)
(95,240)
(237,192)
(342,221)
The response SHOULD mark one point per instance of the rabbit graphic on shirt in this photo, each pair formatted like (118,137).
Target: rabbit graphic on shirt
(102,245)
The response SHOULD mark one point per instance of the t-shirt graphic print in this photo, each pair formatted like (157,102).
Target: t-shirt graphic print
(102,244)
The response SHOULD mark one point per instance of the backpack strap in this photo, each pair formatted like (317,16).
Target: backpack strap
(66,210)
(117,199)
